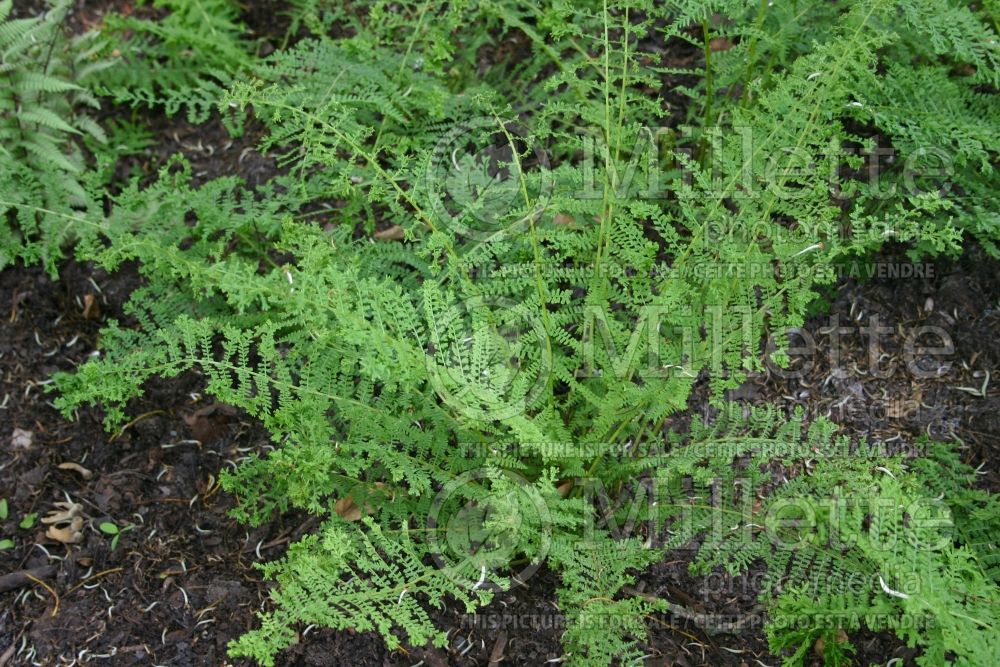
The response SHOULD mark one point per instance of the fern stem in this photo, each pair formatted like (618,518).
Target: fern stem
(709,82)
(752,49)
(402,66)
(621,94)
(554,56)
(719,202)
(543,300)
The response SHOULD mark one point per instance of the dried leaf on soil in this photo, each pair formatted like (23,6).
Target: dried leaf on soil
(76,467)
(21,439)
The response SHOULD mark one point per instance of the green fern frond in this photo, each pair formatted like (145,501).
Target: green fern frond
(42,91)
(182,60)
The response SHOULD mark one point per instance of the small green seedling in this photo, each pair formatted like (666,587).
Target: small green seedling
(28,521)
(4,513)
(109,528)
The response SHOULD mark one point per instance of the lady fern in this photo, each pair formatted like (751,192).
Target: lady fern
(183,59)
(474,388)
(44,76)
(852,540)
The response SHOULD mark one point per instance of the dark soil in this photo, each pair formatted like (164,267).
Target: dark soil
(181,583)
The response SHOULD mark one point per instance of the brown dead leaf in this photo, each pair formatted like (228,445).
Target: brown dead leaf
(91,307)
(717,44)
(208,423)
(70,534)
(76,467)
(21,439)
(394,233)
(563,219)
(564,488)
(819,648)
(205,486)
(65,523)
(497,654)
(65,512)
(347,510)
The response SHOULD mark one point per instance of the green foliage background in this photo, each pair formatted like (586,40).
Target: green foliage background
(553,299)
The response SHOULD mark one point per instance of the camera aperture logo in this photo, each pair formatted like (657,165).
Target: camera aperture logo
(489,357)
(483,520)
(485,176)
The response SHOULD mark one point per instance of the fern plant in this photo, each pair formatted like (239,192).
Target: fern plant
(975,512)
(852,540)
(183,57)
(563,270)
(44,79)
